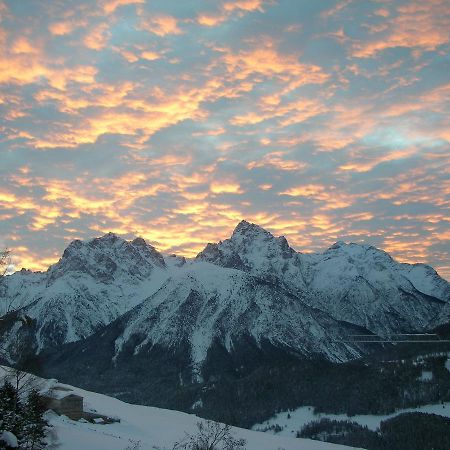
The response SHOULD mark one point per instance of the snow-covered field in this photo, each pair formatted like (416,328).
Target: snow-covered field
(305,414)
(153,428)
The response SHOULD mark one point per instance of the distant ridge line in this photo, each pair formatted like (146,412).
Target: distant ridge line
(401,338)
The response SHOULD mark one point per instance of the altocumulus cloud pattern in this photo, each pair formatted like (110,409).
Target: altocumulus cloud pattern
(319,120)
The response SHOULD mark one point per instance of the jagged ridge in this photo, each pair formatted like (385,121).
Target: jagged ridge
(252,284)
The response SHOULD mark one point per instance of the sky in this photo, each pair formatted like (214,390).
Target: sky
(173,120)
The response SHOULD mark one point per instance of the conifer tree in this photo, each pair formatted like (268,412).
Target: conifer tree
(11,410)
(35,425)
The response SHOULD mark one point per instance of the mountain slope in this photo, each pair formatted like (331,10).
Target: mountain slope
(91,285)
(352,282)
(204,304)
(203,324)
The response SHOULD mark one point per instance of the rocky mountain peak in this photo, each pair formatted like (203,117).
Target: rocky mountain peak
(252,249)
(139,242)
(108,256)
(249,230)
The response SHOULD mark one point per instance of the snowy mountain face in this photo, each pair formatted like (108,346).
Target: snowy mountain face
(253,286)
(352,282)
(366,285)
(204,305)
(91,285)
(256,251)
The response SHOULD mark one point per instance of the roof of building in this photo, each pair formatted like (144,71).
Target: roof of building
(59,393)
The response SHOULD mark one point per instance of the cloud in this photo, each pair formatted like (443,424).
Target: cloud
(110,6)
(97,37)
(66,27)
(332,198)
(367,163)
(277,161)
(226,10)
(417,25)
(225,187)
(24,64)
(319,122)
(161,25)
(264,59)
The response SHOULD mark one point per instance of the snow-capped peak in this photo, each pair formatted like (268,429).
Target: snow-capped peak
(247,230)
(108,256)
(93,283)
(250,248)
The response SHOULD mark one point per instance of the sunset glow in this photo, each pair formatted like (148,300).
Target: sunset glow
(318,120)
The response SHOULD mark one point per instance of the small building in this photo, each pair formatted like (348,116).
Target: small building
(64,402)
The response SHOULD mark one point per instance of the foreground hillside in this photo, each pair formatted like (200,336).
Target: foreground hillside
(144,427)
(154,428)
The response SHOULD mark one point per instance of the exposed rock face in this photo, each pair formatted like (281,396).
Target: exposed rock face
(92,284)
(356,283)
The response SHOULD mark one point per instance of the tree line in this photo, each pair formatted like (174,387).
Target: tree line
(408,431)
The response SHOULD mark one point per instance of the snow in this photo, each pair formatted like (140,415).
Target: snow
(9,439)
(203,303)
(93,283)
(305,414)
(426,280)
(426,375)
(447,364)
(97,281)
(153,428)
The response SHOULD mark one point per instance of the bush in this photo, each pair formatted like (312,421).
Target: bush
(211,436)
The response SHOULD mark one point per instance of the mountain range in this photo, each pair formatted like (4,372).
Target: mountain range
(116,308)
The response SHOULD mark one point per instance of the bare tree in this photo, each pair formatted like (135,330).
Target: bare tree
(211,436)
(7,305)
(5,261)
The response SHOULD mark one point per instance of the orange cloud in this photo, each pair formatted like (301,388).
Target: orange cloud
(61,28)
(276,160)
(288,114)
(227,9)
(150,56)
(336,9)
(383,12)
(225,187)
(161,25)
(20,65)
(97,38)
(327,194)
(24,257)
(211,20)
(23,45)
(110,6)
(265,60)
(419,26)
(243,5)
(366,164)
(66,27)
